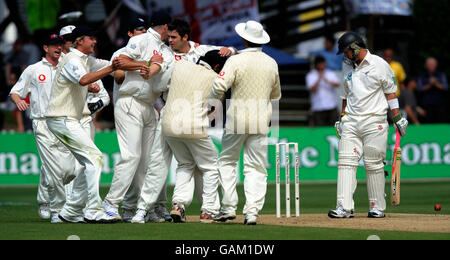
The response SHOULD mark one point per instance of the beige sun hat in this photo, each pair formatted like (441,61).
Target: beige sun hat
(253,31)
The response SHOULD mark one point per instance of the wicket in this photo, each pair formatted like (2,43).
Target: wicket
(288,182)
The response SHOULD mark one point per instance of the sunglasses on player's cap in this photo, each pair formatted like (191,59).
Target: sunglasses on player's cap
(53,39)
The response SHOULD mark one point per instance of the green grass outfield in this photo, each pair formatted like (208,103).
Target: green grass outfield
(19,219)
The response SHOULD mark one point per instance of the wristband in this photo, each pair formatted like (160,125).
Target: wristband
(232,50)
(393,104)
(148,63)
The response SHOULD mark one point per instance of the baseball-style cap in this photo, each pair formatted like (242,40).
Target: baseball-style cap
(139,24)
(160,18)
(53,39)
(81,31)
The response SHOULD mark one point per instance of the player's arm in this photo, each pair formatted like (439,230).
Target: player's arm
(21,89)
(97,75)
(126,63)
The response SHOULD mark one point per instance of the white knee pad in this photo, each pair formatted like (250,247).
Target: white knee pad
(373,159)
(348,154)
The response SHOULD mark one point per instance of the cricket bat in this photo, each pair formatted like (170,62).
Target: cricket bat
(396,168)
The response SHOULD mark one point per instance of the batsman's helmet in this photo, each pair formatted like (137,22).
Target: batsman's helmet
(350,40)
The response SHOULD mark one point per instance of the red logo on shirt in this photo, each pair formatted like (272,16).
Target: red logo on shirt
(177,57)
(155,52)
(380,127)
(42,77)
(222,73)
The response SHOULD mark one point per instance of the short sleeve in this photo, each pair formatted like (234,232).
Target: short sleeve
(73,70)
(23,85)
(132,49)
(388,80)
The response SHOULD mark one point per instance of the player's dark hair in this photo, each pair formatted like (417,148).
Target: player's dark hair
(182,27)
(213,58)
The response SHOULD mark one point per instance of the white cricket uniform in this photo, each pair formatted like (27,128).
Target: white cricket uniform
(135,116)
(155,183)
(255,82)
(57,162)
(65,110)
(365,130)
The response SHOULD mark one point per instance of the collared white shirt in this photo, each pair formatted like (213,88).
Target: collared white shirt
(142,48)
(194,54)
(325,96)
(36,79)
(366,85)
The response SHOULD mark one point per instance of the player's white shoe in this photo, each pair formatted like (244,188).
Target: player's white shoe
(55,220)
(375,213)
(250,220)
(111,210)
(127,215)
(100,217)
(140,216)
(44,212)
(224,216)
(340,213)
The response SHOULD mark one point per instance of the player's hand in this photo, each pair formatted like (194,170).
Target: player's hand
(156,59)
(22,105)
(119,62)
(225,52)
(94,107)
(94,88)
(338,128)
(401,125)
(145,72)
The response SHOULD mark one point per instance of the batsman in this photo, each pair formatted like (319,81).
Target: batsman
(369,91)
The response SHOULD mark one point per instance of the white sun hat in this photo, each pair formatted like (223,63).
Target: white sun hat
(66,30)
(253,31)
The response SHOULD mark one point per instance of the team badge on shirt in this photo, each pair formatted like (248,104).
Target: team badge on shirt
(42,78)
(349,76)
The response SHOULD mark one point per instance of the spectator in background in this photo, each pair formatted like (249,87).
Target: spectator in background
(321,83)
(334,62)
(408,102)
(433,89)
(399,72)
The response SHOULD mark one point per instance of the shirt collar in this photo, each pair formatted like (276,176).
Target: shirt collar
(79,53)
(259,49)
(155,34)
(368,59)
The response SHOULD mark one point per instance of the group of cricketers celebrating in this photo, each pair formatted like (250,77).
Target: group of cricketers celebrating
(165,97)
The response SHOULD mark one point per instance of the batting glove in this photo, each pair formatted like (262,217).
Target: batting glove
(94,107)
(401,124)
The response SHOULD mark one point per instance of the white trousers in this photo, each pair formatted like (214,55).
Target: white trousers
(135,126)
(154,188)
(192,153)
(57,167)
(85,192)
(255,172)
(362,137)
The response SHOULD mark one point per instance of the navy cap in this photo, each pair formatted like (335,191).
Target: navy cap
(139,24)
(81,31)
(160,18)
(53,39)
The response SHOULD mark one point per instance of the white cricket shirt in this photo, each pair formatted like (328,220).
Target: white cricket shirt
(365,87)
(36,79)
(142,48)
(194,54)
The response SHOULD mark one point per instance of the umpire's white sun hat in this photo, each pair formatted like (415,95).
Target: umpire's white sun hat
(253,31)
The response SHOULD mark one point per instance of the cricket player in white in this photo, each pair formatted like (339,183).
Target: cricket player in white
(253,77)
(369,91)
(154,189)
(134,113)
(65,110)
(184,125)
(57,168)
